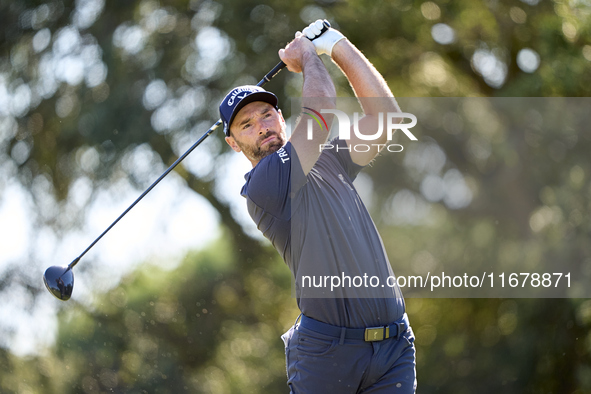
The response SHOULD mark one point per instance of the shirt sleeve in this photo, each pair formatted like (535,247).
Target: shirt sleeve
(341,152)
(274,180)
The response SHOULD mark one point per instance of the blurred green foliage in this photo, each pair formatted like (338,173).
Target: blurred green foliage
(84,84)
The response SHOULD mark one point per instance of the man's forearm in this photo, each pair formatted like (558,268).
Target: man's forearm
(365,80)
(318,93)
(317,81)
(373,94)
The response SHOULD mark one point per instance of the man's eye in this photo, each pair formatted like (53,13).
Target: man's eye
(246,126)
(267,115)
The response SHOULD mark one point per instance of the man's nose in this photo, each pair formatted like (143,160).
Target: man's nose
(263,127)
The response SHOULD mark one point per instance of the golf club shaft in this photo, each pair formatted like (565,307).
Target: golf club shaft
(181,158)
(263,81)
(274,71)
(280,66)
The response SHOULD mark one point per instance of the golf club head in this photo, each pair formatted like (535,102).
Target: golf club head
(59,281)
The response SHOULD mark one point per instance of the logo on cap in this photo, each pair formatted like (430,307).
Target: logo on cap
(235,95)
(238,98)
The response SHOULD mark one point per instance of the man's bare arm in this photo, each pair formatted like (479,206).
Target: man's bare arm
(373,93)
(318,93)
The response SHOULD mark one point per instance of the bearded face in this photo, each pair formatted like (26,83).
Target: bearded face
(258,130)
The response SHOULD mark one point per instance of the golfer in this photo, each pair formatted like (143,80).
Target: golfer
(353,339)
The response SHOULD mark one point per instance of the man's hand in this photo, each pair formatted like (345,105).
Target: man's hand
(297,53)
(326,41)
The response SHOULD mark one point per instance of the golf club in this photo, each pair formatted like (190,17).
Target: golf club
(59,280)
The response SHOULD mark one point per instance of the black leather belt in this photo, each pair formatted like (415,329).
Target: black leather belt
(368,334)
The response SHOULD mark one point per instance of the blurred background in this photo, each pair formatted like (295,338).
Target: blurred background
(97,99)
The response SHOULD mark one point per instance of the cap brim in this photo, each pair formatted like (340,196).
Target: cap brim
(257,96)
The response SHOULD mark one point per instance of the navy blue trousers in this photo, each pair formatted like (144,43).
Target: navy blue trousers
(317,363)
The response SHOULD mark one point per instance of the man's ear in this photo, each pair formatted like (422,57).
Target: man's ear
(232,142)
(281,116)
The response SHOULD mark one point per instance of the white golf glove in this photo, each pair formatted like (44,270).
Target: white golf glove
(326,41)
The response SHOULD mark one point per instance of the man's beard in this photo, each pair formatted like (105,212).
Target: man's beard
(257,152)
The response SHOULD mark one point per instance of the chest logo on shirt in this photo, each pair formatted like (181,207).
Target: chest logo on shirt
(342,178)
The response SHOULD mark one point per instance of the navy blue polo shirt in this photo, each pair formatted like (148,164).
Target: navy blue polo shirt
(324,233)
